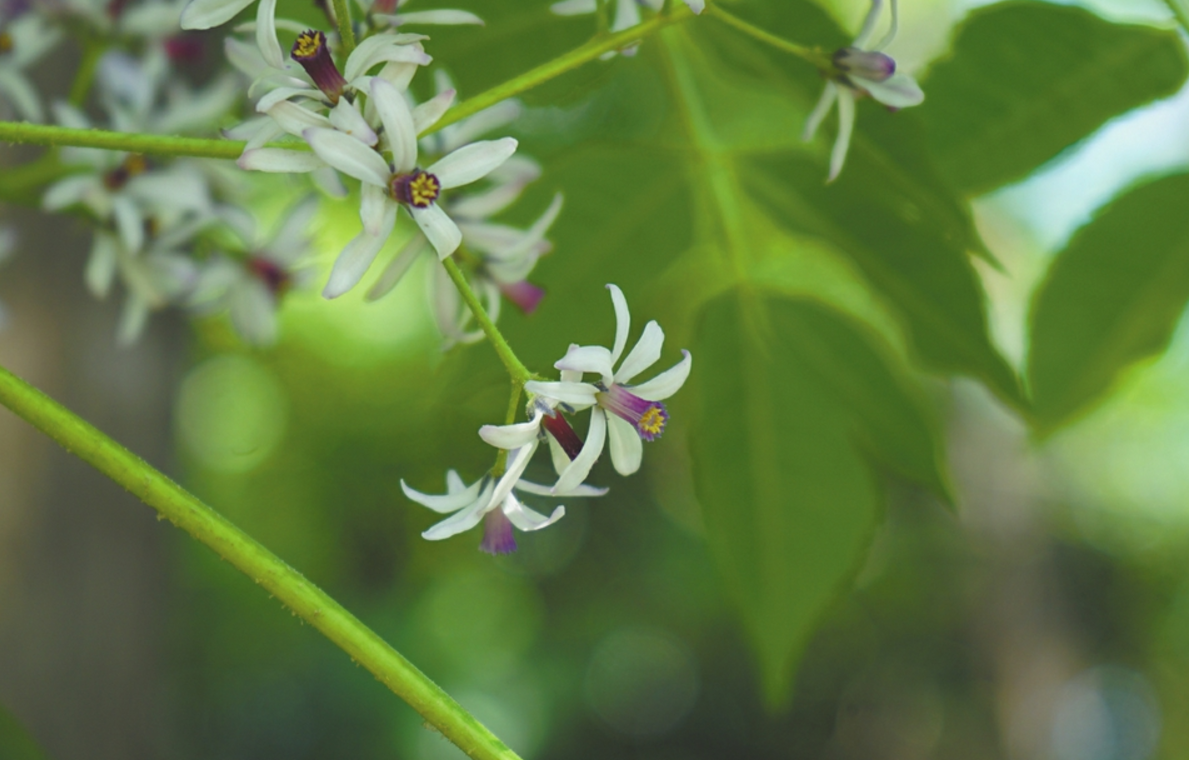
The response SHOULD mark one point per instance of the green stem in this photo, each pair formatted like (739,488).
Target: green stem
(813,55)
(520,374)
(342,15)
(558,66)
(501,459)
(308,601)
(48,134)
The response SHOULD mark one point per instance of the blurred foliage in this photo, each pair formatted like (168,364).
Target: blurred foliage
(815,314)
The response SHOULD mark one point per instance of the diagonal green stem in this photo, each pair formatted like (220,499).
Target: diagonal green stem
(814,56)
(342,16)
(133,142)
(293,590)
(519,372)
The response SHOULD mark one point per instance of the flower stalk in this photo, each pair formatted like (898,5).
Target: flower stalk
(305,599)
(520,373)
(812,55)
(342,16)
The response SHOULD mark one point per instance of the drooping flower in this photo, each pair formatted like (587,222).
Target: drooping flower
(859,70)
(400,183)
(625,414)
(494,502)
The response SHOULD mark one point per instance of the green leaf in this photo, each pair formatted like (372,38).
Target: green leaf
(1027,80)
(788,497)
(1110,299)
(15,741)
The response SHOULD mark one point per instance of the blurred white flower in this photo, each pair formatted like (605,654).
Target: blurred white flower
(388,13)
(23,41)
(858,71)
(625,413)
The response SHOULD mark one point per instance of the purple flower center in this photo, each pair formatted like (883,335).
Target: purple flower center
(276,279)
(873,66)
(648,417)
(524,294)
(384,6)
(558,427)
(186,48)
(497,533)
(418,188)
(135,164)
(310,50)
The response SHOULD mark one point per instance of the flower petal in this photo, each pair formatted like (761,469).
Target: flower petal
(472,162)
(373,207)
(517,461)
(623,321)
(382,48)
(897,91)
(356,258)
(348,155)
(511,436)
(529,519)
(626,447)
(824,104)
(266,34)
(279,160)
(583,490)
(204,14)
(398,124)
(666,383)
(697,6)
(594,359)
(428,113)
(346,119)
(463,520)
(574,7)
(397,268)
(449,502)
(643,355)
(577,471)
(846,125)
(441,230)
(443,17)
(575,394)
(253,311)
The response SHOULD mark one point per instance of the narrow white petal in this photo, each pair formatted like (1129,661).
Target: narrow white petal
(457,135)
(558,455)
(397,268)
(517,461)
(863,39)
(133,318)
(583,490)
(697,6)
(101,266)
(824,104)
(204,14)
(454,482)
(666,383)
(373,208)
(397,119)
(575,394)
(253,311)
(284,93)
(443,17)
(529,519)
(266,34)
(355,259)
(897,91)
(129,223)
(328,181)
(450,502)
(382,48)
(461,521)
(626,447)
(398,74)
(68,192)
(488,203)
(21,94)
(441,230)
(428,113)
(574,7)
(643,355)
(472,162)
(348,155)
(280,160)
(511,436)
(346,119)
(577,471)
(595,359)
(846,125)
(623,321)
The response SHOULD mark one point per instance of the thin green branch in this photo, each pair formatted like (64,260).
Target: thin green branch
(501,459)
(813,55)
(342,16)
(133,142)
(93,50)
(558,66)
(519,372)
(308,601)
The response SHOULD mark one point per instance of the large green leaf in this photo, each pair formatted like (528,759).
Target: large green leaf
(1110,299)
(787,495)
(1027,80)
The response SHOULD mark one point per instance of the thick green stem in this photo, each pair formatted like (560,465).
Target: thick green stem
(308,601)
(520,374)
(814,56)
(558,66)
(342,15)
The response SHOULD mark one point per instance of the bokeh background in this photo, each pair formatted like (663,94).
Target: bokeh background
(1048,618)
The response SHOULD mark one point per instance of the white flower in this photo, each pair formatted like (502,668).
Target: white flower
(859,70)
(204,14)
(250,284)
(624,413)
(387,187)
(22,43)
(494,502)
